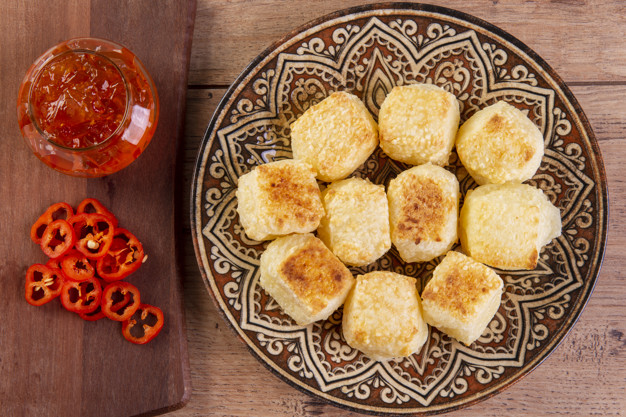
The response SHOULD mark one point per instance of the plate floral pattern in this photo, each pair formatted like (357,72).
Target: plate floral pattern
(367,51)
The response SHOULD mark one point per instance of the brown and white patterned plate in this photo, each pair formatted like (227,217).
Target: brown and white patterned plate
(367,50)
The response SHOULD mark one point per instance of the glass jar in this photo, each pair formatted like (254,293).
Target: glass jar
(87,107)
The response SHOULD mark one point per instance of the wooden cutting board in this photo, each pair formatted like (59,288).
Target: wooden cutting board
(52,363)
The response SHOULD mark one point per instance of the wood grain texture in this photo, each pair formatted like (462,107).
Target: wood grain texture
(586,375)
(582,44)
(582,40)
(52,363)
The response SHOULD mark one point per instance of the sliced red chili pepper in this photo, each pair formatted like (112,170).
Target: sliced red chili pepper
(58,238)
(115,304)
(76,266)
(43,284)
(54,263)
(94,234)
(97,314)
(123,257)
(144,325)
(54,212)
(91,205)
(81,297)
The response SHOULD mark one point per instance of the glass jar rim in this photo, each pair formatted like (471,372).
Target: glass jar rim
(45,134)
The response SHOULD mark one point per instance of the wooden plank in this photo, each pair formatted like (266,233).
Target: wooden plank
(586,375)
(581,40)
(52,363)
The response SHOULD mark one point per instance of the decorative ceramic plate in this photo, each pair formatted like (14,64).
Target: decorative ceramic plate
(367,51)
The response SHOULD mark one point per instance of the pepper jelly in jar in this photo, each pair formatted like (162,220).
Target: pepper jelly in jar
(87,107)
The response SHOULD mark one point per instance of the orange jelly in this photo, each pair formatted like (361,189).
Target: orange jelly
(79,99)
(87,107)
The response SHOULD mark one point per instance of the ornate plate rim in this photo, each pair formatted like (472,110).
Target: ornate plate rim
(539,65)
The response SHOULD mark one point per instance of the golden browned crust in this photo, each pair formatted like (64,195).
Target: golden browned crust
(356,225)
(418,124)
(279,198)
(335,136)
(495,123)
(424,210)
(291,198)
(462,297)
(314,274)
(500,144)
(533,258)
(461,287)
(383,316)
(498,125)
(506,225)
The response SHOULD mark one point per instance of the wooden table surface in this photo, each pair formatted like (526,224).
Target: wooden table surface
(584,42)
(52,363)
